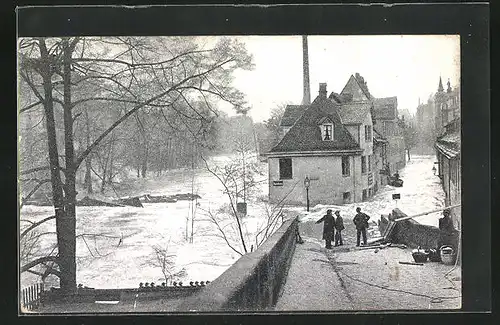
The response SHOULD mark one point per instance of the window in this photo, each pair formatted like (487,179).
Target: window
(363,164)
(347,197)
(368,133)
(327,132)
(369,192)
(364,194)
(346,167)
(369,163)
(285,168)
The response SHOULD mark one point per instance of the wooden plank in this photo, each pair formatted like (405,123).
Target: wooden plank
(424,213)
(411,263)
(388,230)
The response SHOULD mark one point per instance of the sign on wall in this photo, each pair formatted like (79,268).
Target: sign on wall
(277,183)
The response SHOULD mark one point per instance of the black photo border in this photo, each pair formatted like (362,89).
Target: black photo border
(470,21)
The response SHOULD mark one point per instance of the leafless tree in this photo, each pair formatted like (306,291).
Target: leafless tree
(165,260)
(143,73)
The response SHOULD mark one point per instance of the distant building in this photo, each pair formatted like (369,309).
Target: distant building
(448,147)
(425,122)
(385,115)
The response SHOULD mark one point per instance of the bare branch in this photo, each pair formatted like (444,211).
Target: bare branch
(33,191)
(136,108)
(38,261)
(36,224)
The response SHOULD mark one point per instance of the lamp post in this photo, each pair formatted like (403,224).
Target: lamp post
(307,183)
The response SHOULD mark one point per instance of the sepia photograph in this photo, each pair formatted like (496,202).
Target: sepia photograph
(190,173)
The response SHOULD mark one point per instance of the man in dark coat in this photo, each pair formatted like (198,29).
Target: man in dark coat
(361,222)
(328,228)
(447,229)
(339,226)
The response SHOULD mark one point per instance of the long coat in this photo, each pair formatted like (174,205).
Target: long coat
(446,225)
(328,225)
(339,223)
(361,220)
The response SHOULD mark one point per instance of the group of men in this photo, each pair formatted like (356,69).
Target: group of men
(333,226)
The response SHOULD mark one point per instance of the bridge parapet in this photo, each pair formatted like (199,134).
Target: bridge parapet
(252,283)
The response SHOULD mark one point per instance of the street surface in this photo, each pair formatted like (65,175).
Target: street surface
(353,278)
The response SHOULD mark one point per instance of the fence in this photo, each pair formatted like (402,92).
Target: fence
(30,297)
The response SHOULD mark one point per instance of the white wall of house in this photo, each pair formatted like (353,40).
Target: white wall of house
(327,182)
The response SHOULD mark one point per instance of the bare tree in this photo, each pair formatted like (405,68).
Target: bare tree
(143,73)
(165,260)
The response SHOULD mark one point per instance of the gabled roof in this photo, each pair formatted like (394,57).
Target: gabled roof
(292,113)
(305,134)
(353,87)
(385,108)
(354,112)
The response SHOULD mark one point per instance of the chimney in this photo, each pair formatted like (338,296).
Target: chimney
(306,100)
(322,90)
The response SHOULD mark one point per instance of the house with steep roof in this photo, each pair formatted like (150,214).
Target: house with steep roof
(385,118)
(290,116)
(329,142)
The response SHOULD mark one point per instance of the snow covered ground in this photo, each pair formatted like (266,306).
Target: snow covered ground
(104,262)
(421,192)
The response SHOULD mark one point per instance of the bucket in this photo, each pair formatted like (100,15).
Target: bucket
(447,255)
(420,256)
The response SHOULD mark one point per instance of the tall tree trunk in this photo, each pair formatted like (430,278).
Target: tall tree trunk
(67,246)
(144,163)
(55,176)
(111,159)
(88,161)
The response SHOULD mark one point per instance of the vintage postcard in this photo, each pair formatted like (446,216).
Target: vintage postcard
(239,173)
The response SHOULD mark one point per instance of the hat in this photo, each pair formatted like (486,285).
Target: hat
(337,212)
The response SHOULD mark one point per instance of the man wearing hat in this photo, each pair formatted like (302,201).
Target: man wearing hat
(361,222)
(339,225)
(447,229)
(328,228)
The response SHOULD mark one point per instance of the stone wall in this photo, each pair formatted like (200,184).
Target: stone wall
(255,281)
(412,233)
(91,295)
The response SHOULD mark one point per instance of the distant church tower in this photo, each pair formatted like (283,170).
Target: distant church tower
(306,100)
(440,103)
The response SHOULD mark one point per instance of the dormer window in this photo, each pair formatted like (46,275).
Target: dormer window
(327,132)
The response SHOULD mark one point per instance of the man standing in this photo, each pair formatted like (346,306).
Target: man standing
(361,222)
(339,225)
(447,229)
(328,228)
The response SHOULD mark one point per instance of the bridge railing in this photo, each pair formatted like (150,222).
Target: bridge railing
(254,282)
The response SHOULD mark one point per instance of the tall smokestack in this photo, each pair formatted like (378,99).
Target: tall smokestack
(306,100)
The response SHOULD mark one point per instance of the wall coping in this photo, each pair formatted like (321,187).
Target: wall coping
(217,295)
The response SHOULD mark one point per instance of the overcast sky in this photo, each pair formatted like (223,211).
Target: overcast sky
(404,66)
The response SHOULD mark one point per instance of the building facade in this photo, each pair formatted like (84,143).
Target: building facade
(425,120)
(448,147)
(331,142)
